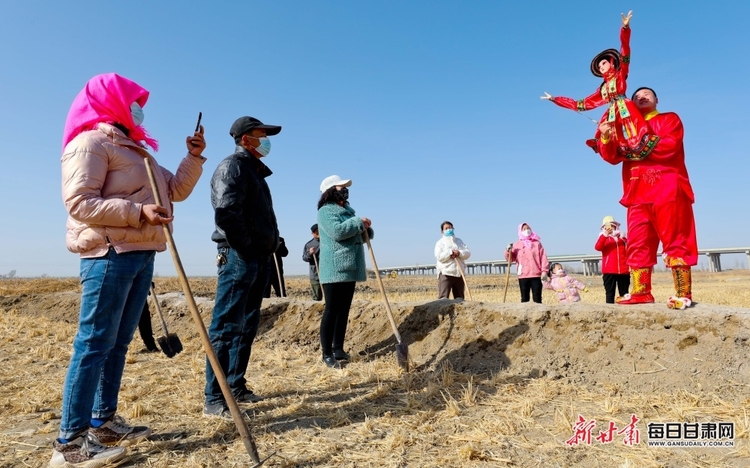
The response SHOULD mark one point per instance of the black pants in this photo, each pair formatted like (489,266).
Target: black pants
(279,288)
(611,280)
(533,285)
(448,284)
(145,330)
(335,316)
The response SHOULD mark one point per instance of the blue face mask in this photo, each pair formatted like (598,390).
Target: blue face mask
(448,233)
(137,112)
(265,146)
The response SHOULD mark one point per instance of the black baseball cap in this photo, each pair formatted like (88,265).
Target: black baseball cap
(245,124)
(314,227)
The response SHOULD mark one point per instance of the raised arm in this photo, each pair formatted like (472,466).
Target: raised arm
(625,45)
(591,102)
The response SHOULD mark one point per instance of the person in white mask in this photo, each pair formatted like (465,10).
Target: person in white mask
(450,253)
(246,236)
(531,261)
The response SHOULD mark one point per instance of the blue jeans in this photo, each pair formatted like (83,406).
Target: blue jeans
(235,320)
(114,289)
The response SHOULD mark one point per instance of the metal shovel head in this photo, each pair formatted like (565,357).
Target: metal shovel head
(170,345)
(402,356)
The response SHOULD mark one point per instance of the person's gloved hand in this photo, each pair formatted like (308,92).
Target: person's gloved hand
(545,277)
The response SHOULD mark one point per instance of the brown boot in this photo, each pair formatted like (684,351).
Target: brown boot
(640,278)
(683,285)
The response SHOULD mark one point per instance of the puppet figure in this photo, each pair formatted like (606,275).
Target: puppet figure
(633,136)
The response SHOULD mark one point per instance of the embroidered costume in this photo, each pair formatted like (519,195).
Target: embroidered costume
(659,199)
(633,137)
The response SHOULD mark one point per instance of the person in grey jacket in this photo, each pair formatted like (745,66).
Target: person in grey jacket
(311,255)
(342,263)
(246,235)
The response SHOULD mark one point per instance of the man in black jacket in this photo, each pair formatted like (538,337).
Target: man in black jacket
(311,255)
(246,235)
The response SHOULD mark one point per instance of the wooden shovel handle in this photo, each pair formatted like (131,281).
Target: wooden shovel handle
(317,270)
(507,274)
(466,285)
(278,275)
(247,438)
(382,288)
(158,311)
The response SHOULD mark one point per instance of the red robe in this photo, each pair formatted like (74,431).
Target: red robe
(634,138)
(659,197)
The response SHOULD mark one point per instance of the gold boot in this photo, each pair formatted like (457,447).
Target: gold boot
(683,285)
(640,278)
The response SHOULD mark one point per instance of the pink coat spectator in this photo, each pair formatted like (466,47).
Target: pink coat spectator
(566,287)
(529,255)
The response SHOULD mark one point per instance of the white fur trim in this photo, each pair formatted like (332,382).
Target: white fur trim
(679,303)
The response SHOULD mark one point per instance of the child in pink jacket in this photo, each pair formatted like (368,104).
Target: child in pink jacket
(565,286)
(531,263)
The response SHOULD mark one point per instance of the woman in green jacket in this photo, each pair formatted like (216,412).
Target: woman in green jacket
(342,263)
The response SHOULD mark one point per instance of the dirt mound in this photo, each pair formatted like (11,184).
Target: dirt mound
(491,384)
(582,343)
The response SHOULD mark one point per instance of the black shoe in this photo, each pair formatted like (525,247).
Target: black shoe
(331,361)
(247,396)
(341,355)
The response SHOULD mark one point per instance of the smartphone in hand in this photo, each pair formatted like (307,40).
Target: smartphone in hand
(198,125)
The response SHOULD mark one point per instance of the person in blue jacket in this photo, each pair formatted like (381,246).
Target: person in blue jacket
(342,263)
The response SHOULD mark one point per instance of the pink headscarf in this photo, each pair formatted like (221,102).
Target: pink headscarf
(527,239)
(107,98)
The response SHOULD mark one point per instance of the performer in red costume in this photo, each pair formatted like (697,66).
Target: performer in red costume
(659,199)
(632,135)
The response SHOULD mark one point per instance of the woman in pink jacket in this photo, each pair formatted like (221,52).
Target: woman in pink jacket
(566,287)
(531,263)
(613,246)
(116,227)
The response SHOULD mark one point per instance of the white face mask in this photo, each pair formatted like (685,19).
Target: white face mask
(137,112)
(526,232)
(264,146)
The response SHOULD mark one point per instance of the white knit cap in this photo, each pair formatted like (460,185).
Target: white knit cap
(610,220)
(333,181)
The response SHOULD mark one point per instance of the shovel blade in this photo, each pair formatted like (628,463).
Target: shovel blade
(402,356)
(170,345)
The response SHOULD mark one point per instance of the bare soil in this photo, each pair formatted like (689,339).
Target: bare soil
(490,384)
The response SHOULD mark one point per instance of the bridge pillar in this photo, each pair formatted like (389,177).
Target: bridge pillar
(714,261)
(590,267)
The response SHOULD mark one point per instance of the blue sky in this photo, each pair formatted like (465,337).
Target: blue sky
(431,107)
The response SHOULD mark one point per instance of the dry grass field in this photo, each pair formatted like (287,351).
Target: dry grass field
(490,384)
